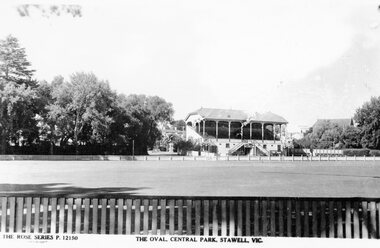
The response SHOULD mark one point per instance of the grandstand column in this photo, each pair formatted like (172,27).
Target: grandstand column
(216,130)
(229,131)
(274,132)
(250,130)
(204,127)
(241,130)
(262,131)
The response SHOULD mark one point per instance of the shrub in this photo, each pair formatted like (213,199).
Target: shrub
(356,152)
(375,153)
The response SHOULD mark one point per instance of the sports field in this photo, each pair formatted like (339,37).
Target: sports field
(191,178)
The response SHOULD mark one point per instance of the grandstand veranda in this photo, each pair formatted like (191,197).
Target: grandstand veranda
(337,199)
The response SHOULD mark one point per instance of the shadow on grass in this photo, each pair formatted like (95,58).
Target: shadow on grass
(64,190)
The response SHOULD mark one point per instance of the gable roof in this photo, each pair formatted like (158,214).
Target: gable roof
(340,122)
(235,115)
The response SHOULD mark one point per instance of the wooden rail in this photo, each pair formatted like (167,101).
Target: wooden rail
(212,216)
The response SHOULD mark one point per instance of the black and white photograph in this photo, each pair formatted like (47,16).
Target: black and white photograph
(177,123)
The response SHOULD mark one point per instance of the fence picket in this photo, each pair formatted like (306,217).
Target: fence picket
(4,201)
(314,228)
(19,213)
(120,211)
(28,220)
(224,218)
(372,225)
(36,228)
(215,230)
(378,219)
(331,220)
(188,217)
(146,217)
(298,219)
(163,217)
(206,218)
(12,209)
(348,220)
(272,218)
(137,204)
(280,218)
(339,219)
(180,217)
(103,216)
(256,229)
(247,218)
(70,215)
(78,210)
(364,223)
(239,218)
(306,219)
(86,219)
(197,206)
(154,216)
(95,208)
(289,218)
(61,217)
(112,203)
(232,218)
(356,220)
(323,218)
(171,217)
(264,220)
(128,217)
(53,217)
(45,209)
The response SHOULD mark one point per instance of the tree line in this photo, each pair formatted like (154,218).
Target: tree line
(78,115)
(365,133)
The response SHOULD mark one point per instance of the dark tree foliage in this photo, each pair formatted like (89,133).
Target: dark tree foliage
(144,114)
(368,119)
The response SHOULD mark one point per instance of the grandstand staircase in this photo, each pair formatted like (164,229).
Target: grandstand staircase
(262,149)
(236,148)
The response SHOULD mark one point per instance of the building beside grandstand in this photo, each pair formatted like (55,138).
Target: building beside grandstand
(235,132)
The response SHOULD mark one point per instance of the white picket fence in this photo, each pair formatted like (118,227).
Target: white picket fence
(186,158)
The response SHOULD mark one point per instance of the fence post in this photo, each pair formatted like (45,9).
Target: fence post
(346,157)
(355,157)
(238,157)
(374,158)
(320,158)
(328,157)
(301,157)
(364,158)
(292,157)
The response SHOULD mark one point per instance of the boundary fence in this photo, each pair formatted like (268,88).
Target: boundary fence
(205,216)
(185,158)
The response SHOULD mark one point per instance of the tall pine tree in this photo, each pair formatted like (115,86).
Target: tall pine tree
(14,66)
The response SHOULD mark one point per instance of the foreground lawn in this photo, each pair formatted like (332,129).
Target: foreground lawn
(191,178)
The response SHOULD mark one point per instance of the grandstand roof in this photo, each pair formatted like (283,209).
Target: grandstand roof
(236,115)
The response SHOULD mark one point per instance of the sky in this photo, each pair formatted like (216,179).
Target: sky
(304,60)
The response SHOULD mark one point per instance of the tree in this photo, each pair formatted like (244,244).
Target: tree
(16,116)
(351,137)
(144,114)
(14,66)
(368,119)
(83,104)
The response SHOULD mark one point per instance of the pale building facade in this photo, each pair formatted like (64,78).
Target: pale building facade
(235,132)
